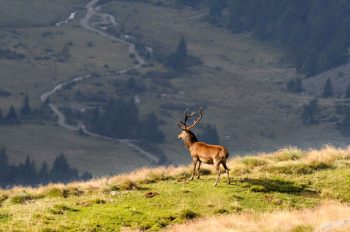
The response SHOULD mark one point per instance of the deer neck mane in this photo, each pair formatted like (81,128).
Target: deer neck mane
(190,140)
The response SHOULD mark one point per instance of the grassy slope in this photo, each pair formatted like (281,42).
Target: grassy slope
(18,13)
(46,142)
(34,77)
(288,179)
(241,82)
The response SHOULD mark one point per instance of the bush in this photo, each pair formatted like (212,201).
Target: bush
(3,198)
(61,209)
(4,217)
(302,228)
(188,214)
(24,197)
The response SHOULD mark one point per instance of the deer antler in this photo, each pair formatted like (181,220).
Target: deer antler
(182,124)
(197,120)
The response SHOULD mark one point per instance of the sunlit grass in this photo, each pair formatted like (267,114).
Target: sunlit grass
(154,198)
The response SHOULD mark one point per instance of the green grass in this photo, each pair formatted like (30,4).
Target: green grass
(152,199)
(46,142)
(176,202)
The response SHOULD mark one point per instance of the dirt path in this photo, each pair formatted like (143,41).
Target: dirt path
(85,22)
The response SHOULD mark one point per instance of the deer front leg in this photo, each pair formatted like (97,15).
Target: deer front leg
(198,170)
(194,162)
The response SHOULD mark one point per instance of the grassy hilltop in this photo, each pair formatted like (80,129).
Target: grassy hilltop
(289,189)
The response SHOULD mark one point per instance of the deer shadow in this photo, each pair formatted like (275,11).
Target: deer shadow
(276,185)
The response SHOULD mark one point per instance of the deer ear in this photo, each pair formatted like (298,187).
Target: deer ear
(179,125)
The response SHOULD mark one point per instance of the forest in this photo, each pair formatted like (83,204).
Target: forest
(314,33)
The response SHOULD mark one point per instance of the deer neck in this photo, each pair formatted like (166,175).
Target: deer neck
(190,141)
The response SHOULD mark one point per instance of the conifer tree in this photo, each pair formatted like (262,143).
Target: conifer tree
(4,167)
(347,93)
(11,116)
(328,89)
(149,129)
(61,170)
(26,109)
(310,111)
(43,174)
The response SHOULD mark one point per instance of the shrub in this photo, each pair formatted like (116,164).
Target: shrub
(24,197)
(61,209)
(3,198)
(4,217)
(302,228)
(128,185)
(188,214)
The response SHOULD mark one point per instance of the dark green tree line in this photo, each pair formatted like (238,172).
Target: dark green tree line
(27,174)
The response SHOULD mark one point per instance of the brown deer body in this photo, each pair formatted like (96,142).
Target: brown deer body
(202,152)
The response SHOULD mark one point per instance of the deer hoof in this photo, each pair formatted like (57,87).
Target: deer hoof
(191,178)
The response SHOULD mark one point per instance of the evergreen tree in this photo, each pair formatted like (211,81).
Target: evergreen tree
(181,49)
(149,130)
(4,167)
(130,83)
(328,89)
(11,116)
(26,110)
(216,8)
(28,172)
(344,125)
(310,111)
(61,170)
(347,93)
(86,176)
(209,134)
(119,119)
(178,60)
(43,174)
(295,85)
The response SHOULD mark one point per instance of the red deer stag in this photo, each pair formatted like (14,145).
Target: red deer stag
(200,151)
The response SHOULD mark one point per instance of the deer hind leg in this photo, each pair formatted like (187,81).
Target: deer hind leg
(198,170)
(217,167)
(194,162)
(227,171)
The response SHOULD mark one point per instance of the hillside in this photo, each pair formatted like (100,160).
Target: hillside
(238,80)
(267,189)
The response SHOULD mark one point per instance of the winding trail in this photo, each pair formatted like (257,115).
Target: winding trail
(85,22)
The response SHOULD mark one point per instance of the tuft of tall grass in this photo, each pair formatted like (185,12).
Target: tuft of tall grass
(285,154)
(25,197)
(3,197)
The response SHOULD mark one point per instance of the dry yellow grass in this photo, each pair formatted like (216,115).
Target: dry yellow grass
(290,157)
(315,219)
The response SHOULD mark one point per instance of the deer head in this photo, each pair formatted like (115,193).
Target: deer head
(186,130)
